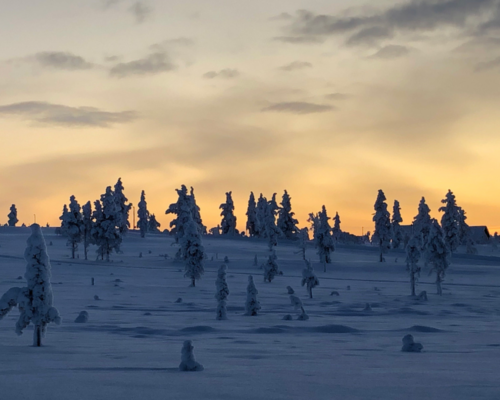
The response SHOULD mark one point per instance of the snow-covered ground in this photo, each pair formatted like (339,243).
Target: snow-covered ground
(131,346)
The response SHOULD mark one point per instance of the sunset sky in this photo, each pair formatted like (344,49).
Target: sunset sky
(331,100)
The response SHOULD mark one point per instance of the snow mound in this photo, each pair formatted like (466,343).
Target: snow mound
(82,318)
(423,328)
(198,329)
(333,329)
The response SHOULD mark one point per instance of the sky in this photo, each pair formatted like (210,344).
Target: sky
(330,100)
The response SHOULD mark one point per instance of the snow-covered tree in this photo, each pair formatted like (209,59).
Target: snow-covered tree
(153,224)
(12,216)
(122,208)
(261,216)
(303,240)
(412,258)
(309,278)
(87,224)
(271,268)
(323,241)
(422,222)
(188,362)
(74,225)
(64,218)
(382,234)
(183,212)
(106,233)
(252,305)
(228,223)
(195,212)
(297,304)
(143,215)
(287,224)
(396,231)
(336,231)
(222,291)
(192,251)
(251,213)
(35,300)
(271,229)
(450,221)
(437,253)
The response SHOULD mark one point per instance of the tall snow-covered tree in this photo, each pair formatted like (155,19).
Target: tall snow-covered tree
(309,278)
(64,218)
(228,223)
(153,224)
(323,240)
(422,223)
(412,257)
(437,253)
(143,215)
(12,216)
(106,232)
(195,212)
(382,233)
(271,268)
(261,216)
(450,221)
(87,224)
(336,231)
(396,231)
(251,214)
(183,212)
(221,293)
(35,300)
(97,231)
(287,224)
(192,251)
(252,305)
(74,225)
(303,240)
(271,229)
(122,208)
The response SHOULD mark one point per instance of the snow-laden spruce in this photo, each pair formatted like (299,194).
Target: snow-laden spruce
(437,254)
(412,257)
(196,213)
(122,208)
(396,231)
(73,221)
(228,223)
(287,224)
(422,223)
(336,231)
(297,304)
(261,216)
(64,218)
(143,215)
(251,225)
(105,232)
(302,242)
(450,221)
(87,224)
(35,300)
(12,216)
(193,251)
(153,224)
(309,278)
(270,227)
(382,234)
(183,212)
(252,305)
(222,291)
(323,240)
(271,268)
(188,363)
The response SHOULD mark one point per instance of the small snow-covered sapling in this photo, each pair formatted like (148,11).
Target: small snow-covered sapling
(271,268)
(297,303)
(290,290)
(222,291)
(82,317)
(409,346)
(226,259)
(309,278)
(188,363)
(255,261)
(252,305)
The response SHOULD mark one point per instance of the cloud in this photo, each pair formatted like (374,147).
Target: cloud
(410,17)
(61,60)
(140,11)
(153,64)
(337,96)
(391,51)
(61,115)
(298,107)
(296,65)
(169,43)
(284,16)
(298,39)
(226,73)
(487,65)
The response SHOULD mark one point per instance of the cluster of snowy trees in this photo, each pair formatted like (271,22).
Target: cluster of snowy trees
(429,240)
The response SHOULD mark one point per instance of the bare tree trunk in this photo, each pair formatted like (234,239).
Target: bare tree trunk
(73,250)
(310,293)
(37,336)
(85,247)
(413,283)
(438,284)
(381,256)
(193,282)
(324,266)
